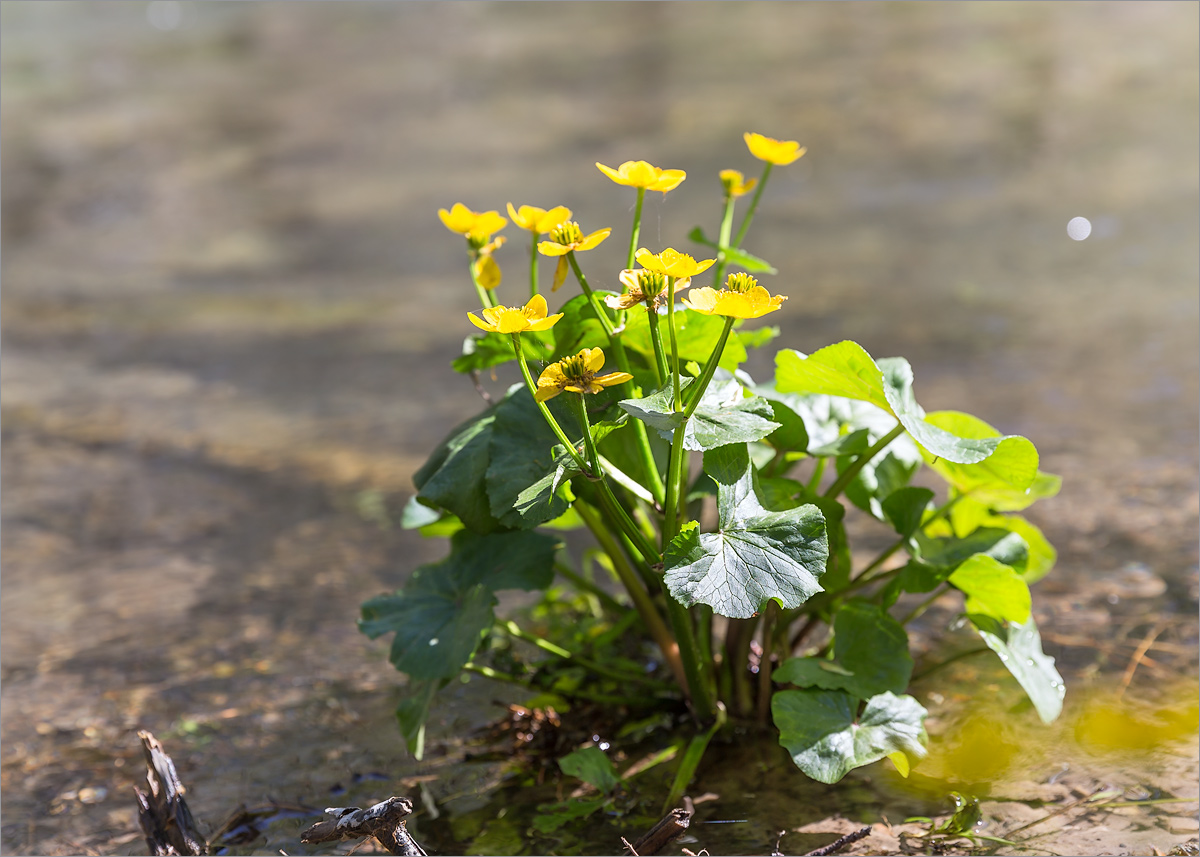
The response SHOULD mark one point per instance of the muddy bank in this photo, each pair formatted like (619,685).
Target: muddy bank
(228,310)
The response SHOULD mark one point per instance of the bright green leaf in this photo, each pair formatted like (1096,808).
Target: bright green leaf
(696,335)
(755,556)
(992,589)
(825,739)
(724,416)
(1020,650)
(1009,470)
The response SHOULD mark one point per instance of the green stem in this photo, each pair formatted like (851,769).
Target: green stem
(850,472)
(631,530)
(691,760)
(863,578)
(674,342)
(681,624)
(627,482)
(637,592)
(584,585)
(696,391)
(924,605)
(496,675)
(723,240)
(484,298)
(545,645)
(764,664)
(745,227)
(660,358)
(553,423)
(589,443)
(637,227)
(814,481)
(533,263)
(601,311)
(676,477)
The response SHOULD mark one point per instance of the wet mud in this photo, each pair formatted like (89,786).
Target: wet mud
(229,310)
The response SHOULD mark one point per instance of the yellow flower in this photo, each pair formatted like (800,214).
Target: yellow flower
(644,174)
(644,286)
(511,319)
(672,263)
(779,152)
(474,224)
(578,375)
(742,297)
(536,219)
(567,236)
(735,183)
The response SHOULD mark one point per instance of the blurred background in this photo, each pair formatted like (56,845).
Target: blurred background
(229,309)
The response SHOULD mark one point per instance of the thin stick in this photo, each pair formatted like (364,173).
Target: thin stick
(1138,655)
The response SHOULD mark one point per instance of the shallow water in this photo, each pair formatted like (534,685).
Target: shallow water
(229,309)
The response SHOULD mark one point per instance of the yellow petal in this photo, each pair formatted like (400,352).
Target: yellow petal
(487,272)
(545,323)
(512,321)
(544,393)
(553,248)
(779,152)
(668,180)
(593,359)
(702,300)
(560,273)
(613,378)
(553,217)
(536,307)
(526,216)
(639,173)
(611,173)
(593,240)
(482,325)
(458,219)
(672,263)
(488,222)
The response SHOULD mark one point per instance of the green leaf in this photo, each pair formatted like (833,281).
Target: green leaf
(592,766)
(523,475)
(441,612)
(734,256)
(1020,650)
(579,328)
(1002,545)
(412,713)
(436,631)
(696,335)
(758,337)
(992,589)
(870,655)
(966,816)
(454,476)
(485,350)
(825,739)
(846,369)
(552,816)
(755,556)
(905,508)
(1007,473)
(724,416)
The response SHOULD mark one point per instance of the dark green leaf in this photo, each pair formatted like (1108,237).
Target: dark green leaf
(577,329)
(454,476)
(1002,545)
(412,713)
(523,476)
(755,556)
(552,816)
(1020,650)
(870,655)
(904,509)
(485,350)
(592,766)
(436,632)
(819,729)
(966,816)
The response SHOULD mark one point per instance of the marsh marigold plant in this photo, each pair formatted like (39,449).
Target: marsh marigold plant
(719,586)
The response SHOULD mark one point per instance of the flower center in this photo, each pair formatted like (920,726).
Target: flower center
(740,282)
(566,233)
(651,282)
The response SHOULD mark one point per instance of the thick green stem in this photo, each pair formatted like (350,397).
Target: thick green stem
(637,226)
(723,241)
(550,420)
(676,479)
(850,472)
(533,263)
(637,592)
(814,481)
(924,605)
(589,443)
(681,624)
(745,227)
(696,391)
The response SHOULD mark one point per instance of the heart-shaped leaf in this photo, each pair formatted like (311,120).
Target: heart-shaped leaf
(755,556)
(993,589)
(826,740)
(1019,647)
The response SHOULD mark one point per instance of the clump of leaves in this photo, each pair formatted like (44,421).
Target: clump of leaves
(634,418)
